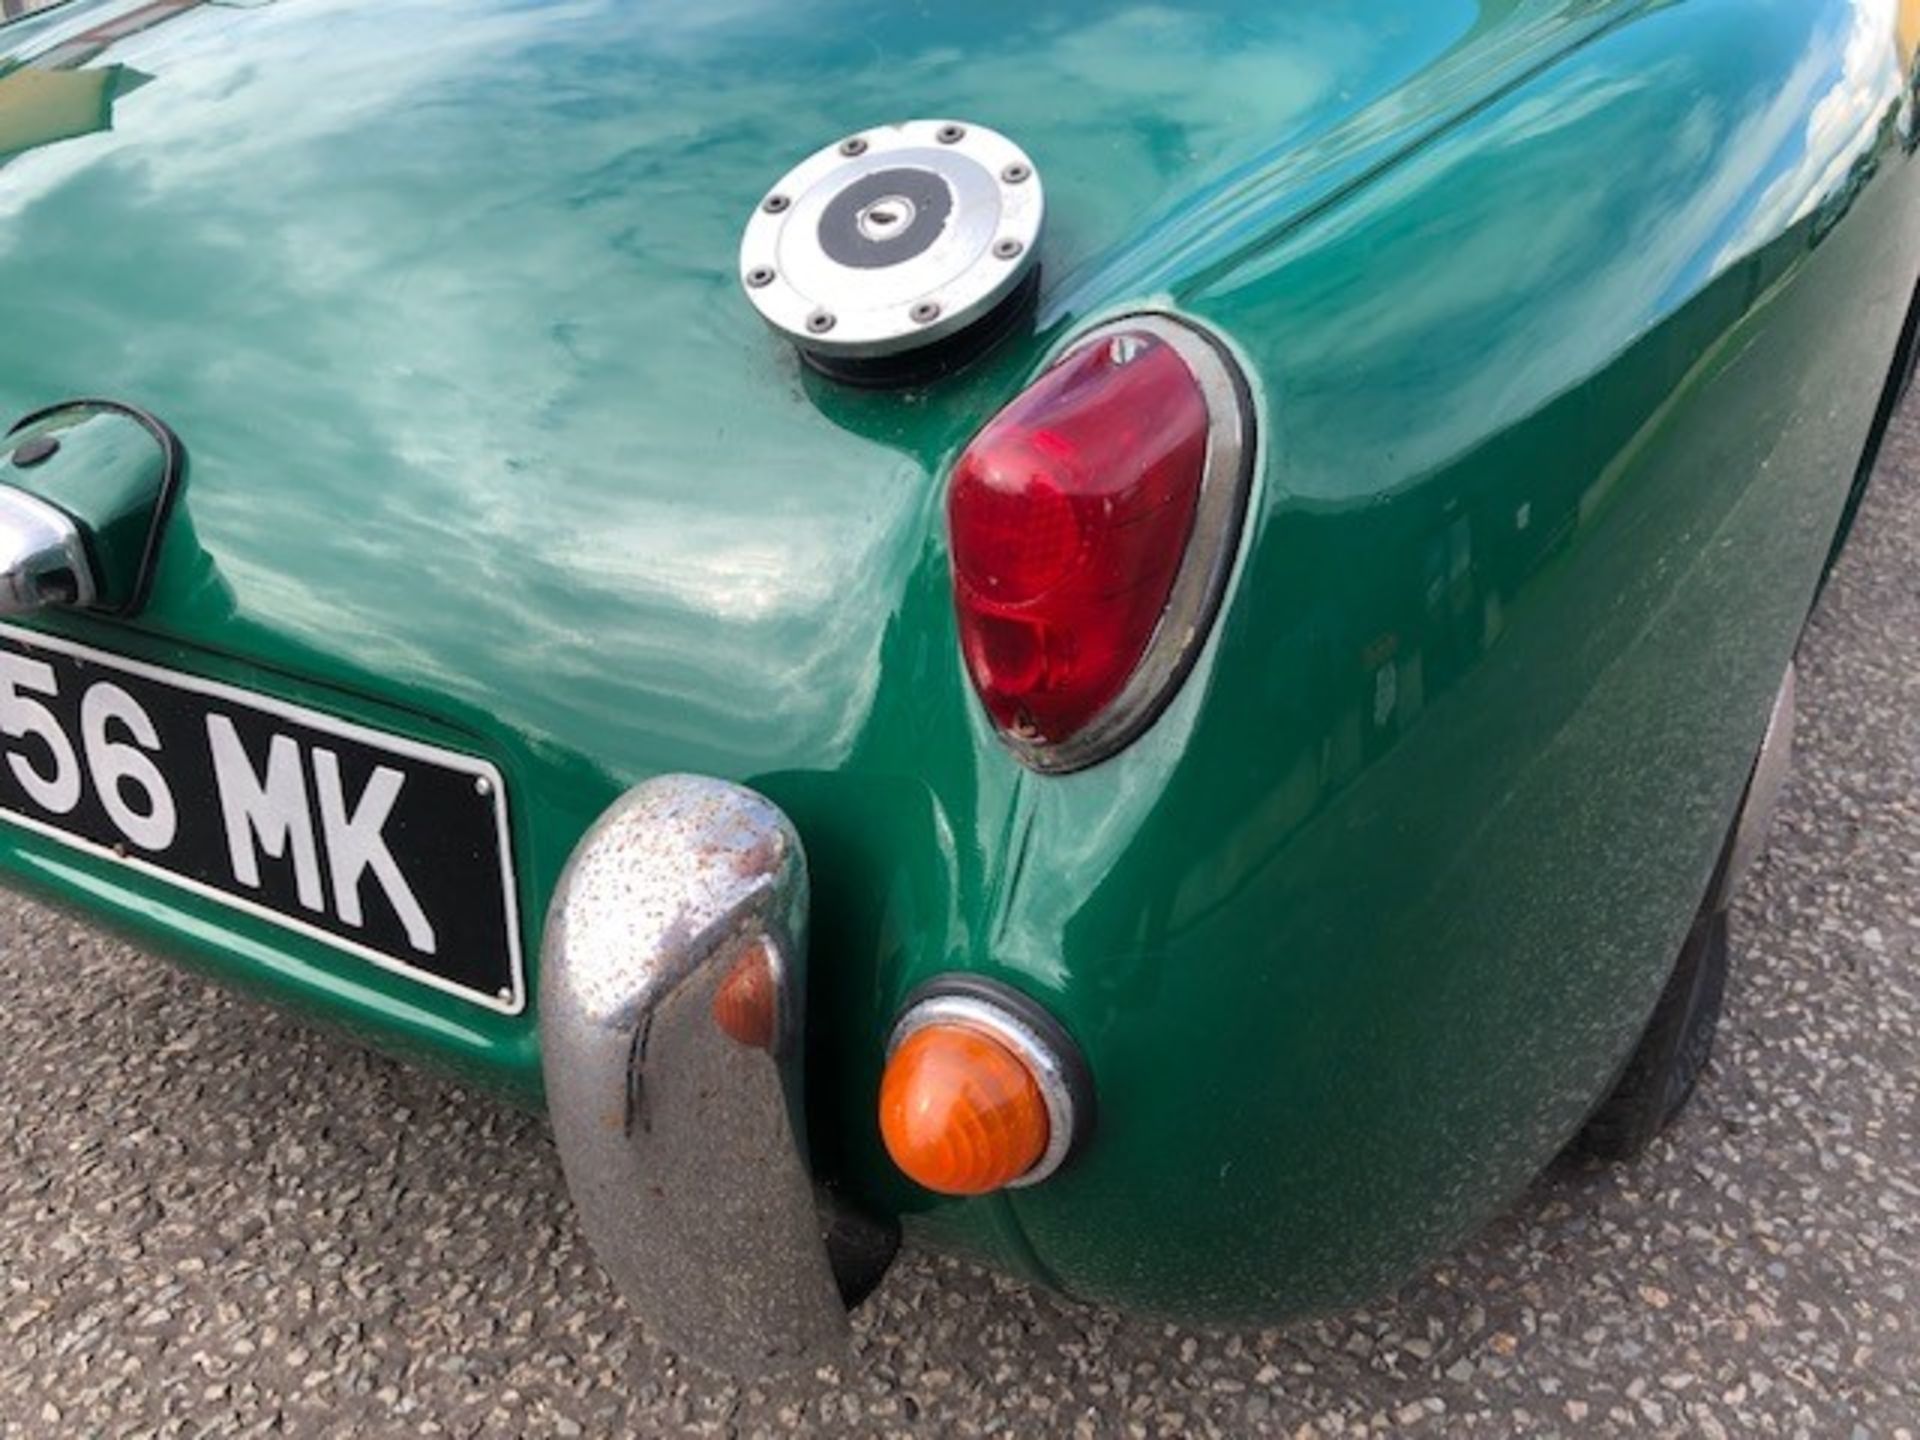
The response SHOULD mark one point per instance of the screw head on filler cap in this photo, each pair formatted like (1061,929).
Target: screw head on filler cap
(893,239)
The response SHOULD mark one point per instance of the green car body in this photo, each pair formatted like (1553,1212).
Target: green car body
(1566,321)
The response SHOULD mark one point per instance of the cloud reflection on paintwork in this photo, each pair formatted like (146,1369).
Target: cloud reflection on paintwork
(1861,86)
(1609,252)
(482,341)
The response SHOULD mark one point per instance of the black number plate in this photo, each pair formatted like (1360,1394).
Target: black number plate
(391,850)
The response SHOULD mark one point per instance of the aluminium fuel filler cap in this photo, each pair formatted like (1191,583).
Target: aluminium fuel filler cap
(897,253)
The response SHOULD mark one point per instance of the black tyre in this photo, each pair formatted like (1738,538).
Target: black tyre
(1665,1068)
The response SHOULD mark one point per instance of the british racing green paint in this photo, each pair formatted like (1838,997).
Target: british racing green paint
(1566,323)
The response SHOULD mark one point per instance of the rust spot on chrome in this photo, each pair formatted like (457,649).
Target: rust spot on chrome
(763,857)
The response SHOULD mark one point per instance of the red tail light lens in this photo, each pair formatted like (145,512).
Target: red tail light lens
(1093,524)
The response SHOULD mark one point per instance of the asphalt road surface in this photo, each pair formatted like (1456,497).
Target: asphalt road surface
(214,1220)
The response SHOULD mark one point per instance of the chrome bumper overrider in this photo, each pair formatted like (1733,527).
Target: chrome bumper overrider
(680,1126)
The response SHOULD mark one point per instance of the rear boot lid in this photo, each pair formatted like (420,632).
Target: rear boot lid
(485,447)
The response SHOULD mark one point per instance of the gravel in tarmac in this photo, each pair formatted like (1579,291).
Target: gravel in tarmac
(216,1221)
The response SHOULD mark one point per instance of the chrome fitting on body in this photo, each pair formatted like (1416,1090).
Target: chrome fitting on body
(672,987)
(43,559)
(1768,779)
(899,253)
(85,489)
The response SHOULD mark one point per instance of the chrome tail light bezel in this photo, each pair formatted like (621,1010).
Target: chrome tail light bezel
(1206,566)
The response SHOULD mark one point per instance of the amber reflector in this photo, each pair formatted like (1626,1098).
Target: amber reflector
(960,1112)
(744,1003)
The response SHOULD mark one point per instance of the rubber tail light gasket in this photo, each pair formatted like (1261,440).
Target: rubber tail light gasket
(1200,584)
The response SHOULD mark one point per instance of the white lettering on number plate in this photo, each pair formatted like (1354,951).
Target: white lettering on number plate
(269,814)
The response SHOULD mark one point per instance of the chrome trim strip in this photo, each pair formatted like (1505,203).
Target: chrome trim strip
(1200,585)
(684,1149)
(1048,1067)
(1763,789)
